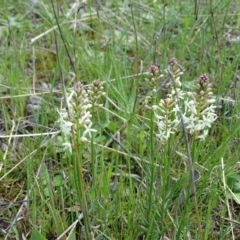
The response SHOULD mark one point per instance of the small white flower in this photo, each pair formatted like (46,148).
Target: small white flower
(207,120)
(178,82)
(70,97)
(88,130)
(176,110)
(210,109)
(67,146)
(191,106)
(210,101)
(203,135)
(65,125)
(191,123)
(85,118)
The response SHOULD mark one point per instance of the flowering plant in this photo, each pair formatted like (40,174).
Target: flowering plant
(197,107)
(76,119)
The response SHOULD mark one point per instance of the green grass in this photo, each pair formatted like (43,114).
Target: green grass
(123,183)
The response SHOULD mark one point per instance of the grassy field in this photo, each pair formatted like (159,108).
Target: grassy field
(119,120)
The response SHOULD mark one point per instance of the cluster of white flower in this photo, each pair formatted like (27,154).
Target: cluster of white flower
(76,120)
(197,107)
(167,123)
(200,109)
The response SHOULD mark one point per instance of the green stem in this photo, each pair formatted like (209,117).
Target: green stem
(80,183)
(152,168)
